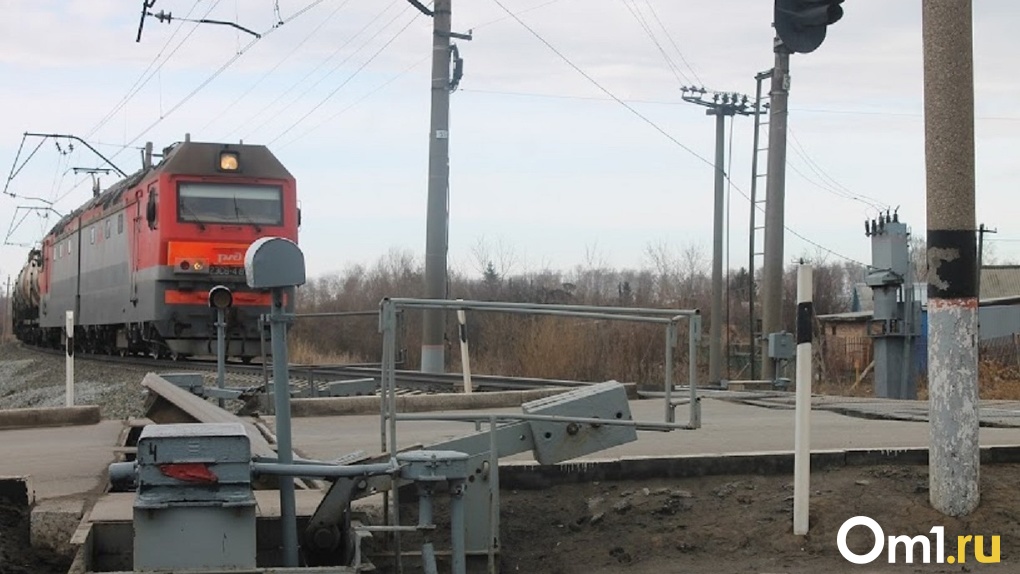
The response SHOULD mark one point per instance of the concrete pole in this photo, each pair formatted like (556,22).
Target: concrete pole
(954,458)
(438,218)
(775,200)
(802,425)
(715,327)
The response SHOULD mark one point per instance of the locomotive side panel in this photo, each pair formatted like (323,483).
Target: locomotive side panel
(63,278)
(105,286)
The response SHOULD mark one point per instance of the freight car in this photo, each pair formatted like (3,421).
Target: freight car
(136,262)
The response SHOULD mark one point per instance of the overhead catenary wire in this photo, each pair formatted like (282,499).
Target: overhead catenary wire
(346,81)
(146,76)
(229,62)
(262,113)
(364,97)
(404,72)
(232,105)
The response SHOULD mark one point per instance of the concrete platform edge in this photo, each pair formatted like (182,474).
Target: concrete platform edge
(49,417)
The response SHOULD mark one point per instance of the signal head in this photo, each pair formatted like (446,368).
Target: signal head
(801,24)
(220,297)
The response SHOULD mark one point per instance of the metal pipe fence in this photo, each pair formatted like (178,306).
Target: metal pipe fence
(668,318)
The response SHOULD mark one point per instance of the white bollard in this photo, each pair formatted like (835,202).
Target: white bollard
(465,357)
(802,428)
(69,326)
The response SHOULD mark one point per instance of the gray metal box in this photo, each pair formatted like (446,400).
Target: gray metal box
(889,249)
(273,262)
(194,509)
(781,346)
(559,441)
(351,388)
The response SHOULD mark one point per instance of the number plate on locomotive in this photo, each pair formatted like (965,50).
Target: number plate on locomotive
(224,270)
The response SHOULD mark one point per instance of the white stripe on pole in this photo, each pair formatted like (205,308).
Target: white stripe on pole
(802,428)
(69,325)
(465,357)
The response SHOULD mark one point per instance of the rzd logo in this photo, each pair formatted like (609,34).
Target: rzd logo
(236,257)
(910,544)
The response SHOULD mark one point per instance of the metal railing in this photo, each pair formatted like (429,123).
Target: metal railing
(669,318)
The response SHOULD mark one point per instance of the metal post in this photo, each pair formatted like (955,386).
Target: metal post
(715,327)
(221,351)
(775,192)
(668,378)
(388,400)
(802,427)
(284,449)
(266,387)
(428,552)
(692,369)
(954,458)
(457,531)
(753,228)
(982,230)
(493,497)
(69,391)
(437,223)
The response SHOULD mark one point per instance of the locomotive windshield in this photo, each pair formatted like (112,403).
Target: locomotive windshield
(230,203)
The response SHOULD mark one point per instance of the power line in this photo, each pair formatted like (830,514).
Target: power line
(269,72)
(145,77)
(523,11)
(202,85)
(602,88)
(669,36)
(831,184)
(292,87)
(568,97)
(350,77)
(655,126)
(367,95)
(635,11)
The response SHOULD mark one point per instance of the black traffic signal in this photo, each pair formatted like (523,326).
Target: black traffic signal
(801,24)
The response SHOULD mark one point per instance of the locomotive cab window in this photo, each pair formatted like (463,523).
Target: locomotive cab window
(235,204)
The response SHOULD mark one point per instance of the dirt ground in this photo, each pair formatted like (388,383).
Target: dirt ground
(742,524)
(16,555)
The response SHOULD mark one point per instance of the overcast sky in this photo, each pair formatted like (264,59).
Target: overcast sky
(544,164)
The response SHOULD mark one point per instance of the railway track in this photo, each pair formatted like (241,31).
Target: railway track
(310,380)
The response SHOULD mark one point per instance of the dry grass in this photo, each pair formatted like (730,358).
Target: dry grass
(305,352)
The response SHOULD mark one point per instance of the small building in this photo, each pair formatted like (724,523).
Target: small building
(844,336)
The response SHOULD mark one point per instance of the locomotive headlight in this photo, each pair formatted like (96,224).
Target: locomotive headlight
(229,161)
(220,297)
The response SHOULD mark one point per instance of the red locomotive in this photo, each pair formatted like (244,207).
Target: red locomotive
(136,262)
